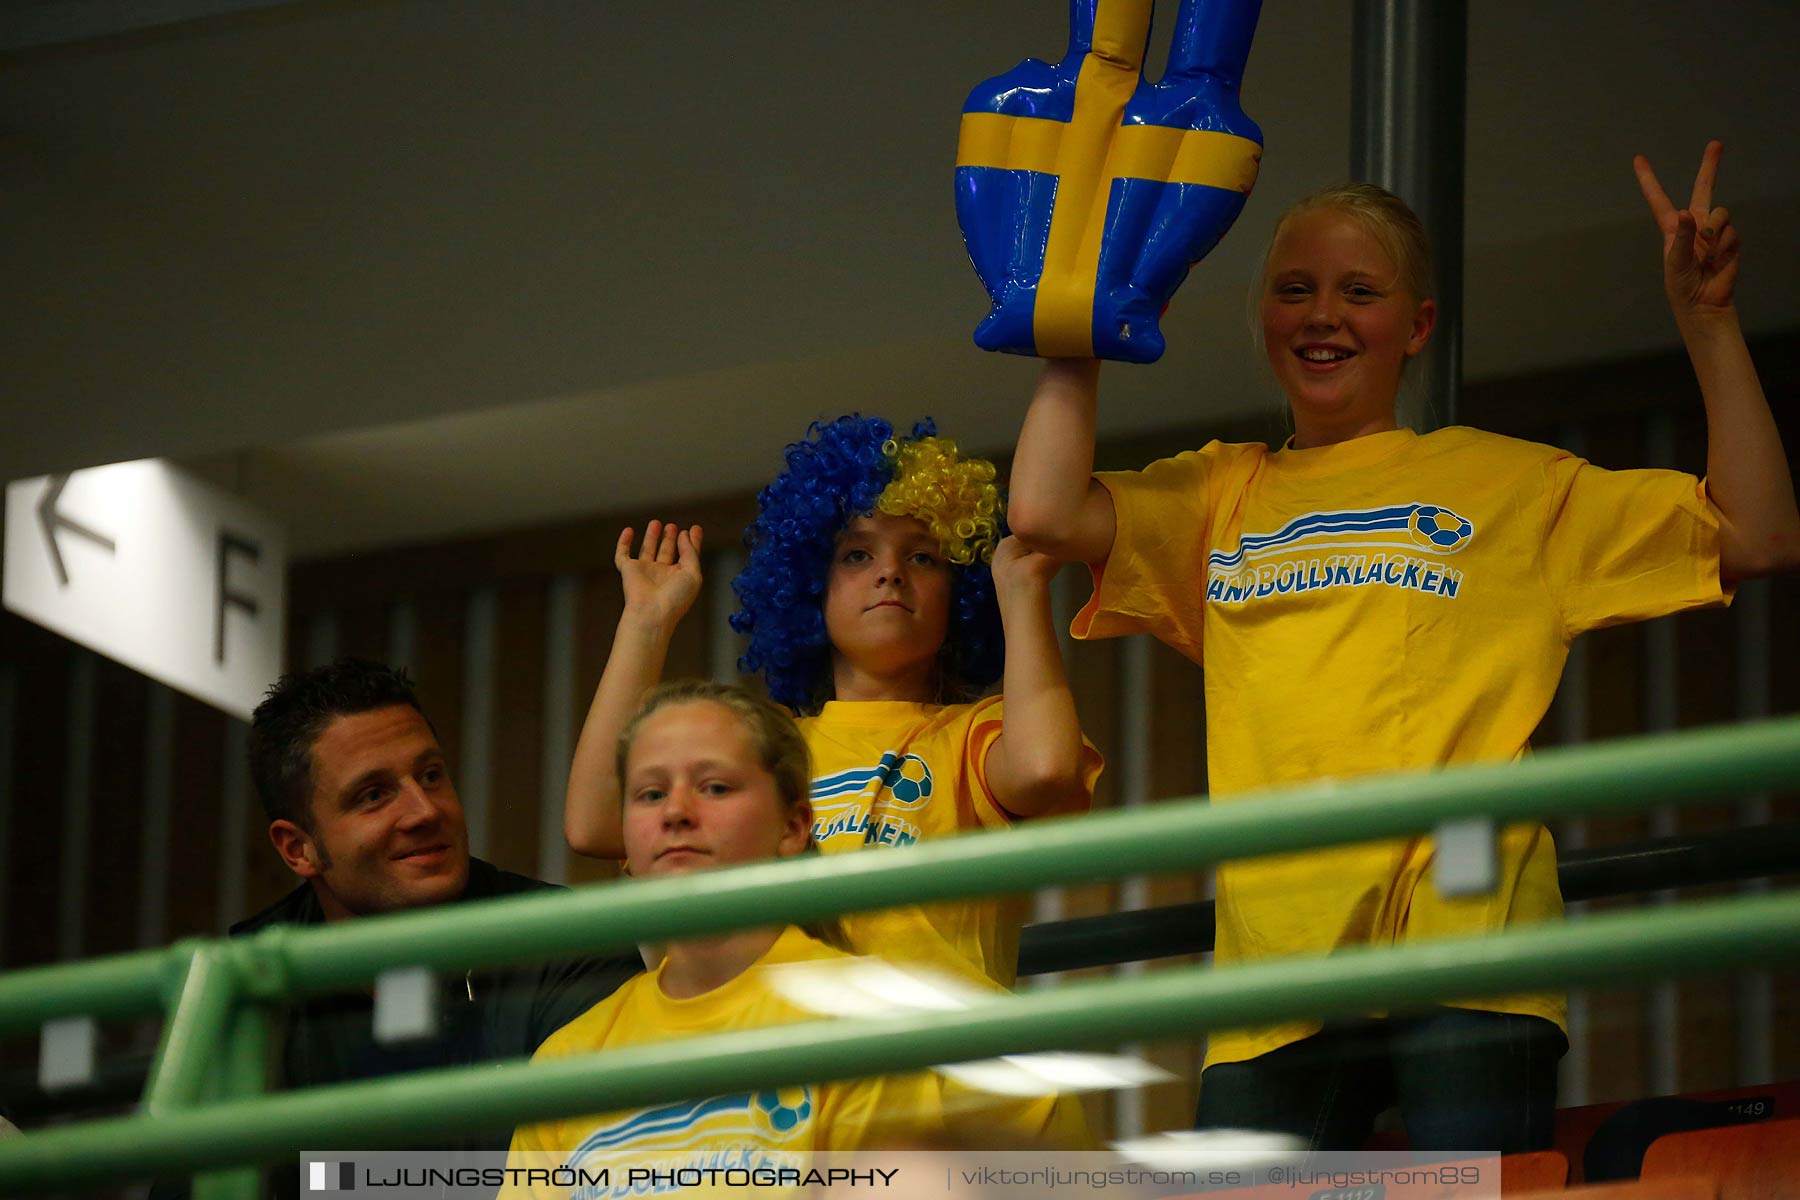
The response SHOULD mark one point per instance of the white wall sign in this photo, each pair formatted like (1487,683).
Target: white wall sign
(149,566)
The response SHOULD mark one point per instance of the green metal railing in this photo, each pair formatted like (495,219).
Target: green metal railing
(201,1109)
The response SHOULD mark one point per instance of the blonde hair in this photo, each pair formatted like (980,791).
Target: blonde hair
(780,749)
(1383,216)
(955,497)
(1386,217)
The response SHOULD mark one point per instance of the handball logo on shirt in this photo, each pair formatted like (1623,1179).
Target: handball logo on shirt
(868,802)
(745,1130)
(1363,547)
(1439,529)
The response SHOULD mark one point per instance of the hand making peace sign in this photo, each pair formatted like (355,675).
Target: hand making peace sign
(1700,245)
(1085,191)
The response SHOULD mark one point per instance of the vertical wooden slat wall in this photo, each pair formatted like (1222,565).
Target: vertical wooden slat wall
(1618,1049)
(598,604)
(115,836)
(514,782)
(350,606)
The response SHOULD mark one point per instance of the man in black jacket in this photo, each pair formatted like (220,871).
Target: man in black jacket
(362,809)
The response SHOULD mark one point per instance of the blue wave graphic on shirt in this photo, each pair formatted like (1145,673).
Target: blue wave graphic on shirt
(767,1117)
(1427,526)
(853,781)
(667,1119)
(841,788)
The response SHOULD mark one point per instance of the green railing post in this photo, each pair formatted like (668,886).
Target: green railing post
(243,1072)
(192,1034)
(125,985)
(181,1131)
(1605,950)
(1175,835)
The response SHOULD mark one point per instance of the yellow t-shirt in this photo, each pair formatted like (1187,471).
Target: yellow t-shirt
(769,1128)
(890,772)
(1396,601)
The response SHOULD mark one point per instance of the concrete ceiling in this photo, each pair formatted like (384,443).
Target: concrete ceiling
(404,270)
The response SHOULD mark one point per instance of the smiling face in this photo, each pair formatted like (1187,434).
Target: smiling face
(1338,324)
(887,597)
(697,795)
(387,827)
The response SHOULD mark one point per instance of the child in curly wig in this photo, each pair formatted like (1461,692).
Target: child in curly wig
(881,598)
(851,467)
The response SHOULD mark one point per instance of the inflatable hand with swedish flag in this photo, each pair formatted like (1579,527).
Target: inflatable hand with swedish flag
(1085,192)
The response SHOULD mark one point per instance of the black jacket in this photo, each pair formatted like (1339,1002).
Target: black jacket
(486,1015)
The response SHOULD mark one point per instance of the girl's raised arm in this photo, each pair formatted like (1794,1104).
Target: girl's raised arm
(1035,766)
(1747,475)
(661,585)
(1054,505)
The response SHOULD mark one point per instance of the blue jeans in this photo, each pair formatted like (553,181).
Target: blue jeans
(1464,1080)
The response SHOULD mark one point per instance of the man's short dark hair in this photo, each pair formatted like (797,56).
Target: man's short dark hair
(296,711)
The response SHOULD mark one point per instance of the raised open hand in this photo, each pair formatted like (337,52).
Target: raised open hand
(1700,244)
(663,580)
(1085,192)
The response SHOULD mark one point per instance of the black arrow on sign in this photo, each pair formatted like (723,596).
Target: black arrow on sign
(52,521)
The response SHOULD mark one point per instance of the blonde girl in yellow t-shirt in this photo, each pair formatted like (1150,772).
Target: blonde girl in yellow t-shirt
(1366,599)
(713,778)
(881,598)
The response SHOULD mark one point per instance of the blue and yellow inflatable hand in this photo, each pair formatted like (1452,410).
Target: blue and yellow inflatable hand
(1085,192)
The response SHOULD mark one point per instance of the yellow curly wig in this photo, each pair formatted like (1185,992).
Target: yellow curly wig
(955,497)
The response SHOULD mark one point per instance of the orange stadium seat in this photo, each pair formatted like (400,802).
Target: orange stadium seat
(1627,1128)
(1537,1169)
(1675,1187)
(1749,1162)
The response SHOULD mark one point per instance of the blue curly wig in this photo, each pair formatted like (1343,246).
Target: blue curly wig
(841,470)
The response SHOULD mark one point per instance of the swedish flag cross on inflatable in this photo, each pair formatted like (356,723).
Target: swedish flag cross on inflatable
(1085,192)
